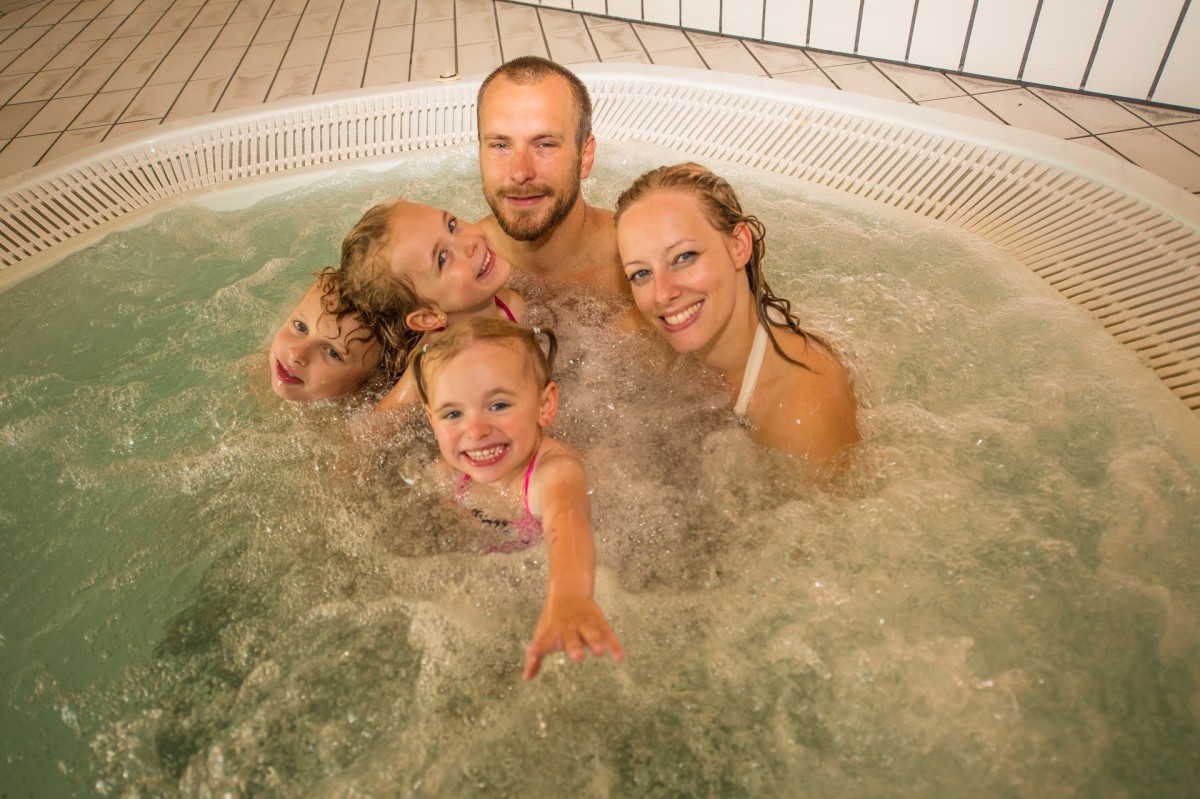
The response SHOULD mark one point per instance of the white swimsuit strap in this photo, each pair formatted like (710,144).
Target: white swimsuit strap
(753,366)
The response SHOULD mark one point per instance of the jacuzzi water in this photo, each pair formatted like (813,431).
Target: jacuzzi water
(205,592)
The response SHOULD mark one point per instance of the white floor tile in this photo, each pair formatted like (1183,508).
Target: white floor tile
(1024,109)
(1093,114)
(1156,152)
(683,57)
(864,78)
(921,84)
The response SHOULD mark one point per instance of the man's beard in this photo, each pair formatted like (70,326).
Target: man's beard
(525,226)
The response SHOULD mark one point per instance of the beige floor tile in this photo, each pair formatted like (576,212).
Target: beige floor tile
(100,28)
(23,38)
(1186,133)
(72,141)
(152,102)
(776,58)
(85,11)
(469,7)
(613,41)
(24,151)
(966,106)
(631,58)
(479,59)
(348,46)
(571,47)
(250,11)
(477,29)
(214,14)
(807,77)
(130,129)
(683,57)
(155,45)
(306,52)
(863,78)
(177,68)
(8,58)
(63,33)
(287,8)
(1159,116)
(115,50)
(429,64)
(317,6)
(392,41)
(104,108)
(654,38)
(198,97)
(49,15)
(131,75)
(294,82)
(521,45)
(236,34)
(341,75)
(175,20)
(1092,143)
(355,18)
(10,85)
(42,85)
(517,21)
(56,115)
(730,57)
(1024,109)
(921,84)
(1156,152)
(556,21)
(436,35)
(1093,114)
(32,60)
(982,85)
(834,59)
(263,57)
(73,55)
(219,63)
(196,40)
(431,10)
(278,29)
(138,24)
(397,12)
(246,90)
(120,8)
(384,70)
(13,118)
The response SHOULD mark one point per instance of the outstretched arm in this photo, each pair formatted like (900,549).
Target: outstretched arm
(571,621)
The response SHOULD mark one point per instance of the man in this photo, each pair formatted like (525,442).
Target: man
(535,147)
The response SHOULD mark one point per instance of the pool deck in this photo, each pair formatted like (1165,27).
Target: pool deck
(75,73)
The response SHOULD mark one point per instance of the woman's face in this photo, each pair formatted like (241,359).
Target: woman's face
(685,274)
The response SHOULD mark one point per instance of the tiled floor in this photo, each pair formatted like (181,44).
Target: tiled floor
(77,72)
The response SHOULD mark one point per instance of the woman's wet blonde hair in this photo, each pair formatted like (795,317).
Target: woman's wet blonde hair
(463,334)
(724,212)
(383,300)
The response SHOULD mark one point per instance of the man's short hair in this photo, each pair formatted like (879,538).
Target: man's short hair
(528,70)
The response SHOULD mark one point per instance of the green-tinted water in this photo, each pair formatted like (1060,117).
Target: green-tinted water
(205,592)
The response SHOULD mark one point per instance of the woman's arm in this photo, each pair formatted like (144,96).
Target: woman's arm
(571,621)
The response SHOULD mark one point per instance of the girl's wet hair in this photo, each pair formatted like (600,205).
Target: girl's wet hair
(724,211)
(335,303)
(463,334)
(383,300)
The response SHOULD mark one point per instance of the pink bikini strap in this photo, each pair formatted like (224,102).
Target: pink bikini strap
(503,307)
(525,493)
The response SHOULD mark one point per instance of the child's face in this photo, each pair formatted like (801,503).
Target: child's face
(449,261)
(310,359)
(487,410)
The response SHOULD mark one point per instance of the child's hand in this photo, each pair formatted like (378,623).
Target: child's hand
(571,625)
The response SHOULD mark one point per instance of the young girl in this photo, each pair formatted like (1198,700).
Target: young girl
(324,350)
(418,270)
(694,260)
(488,395)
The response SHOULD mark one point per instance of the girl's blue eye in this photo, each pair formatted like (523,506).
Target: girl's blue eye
(337,356)
(300,326)
(452,225)
(441,258)
(501,405)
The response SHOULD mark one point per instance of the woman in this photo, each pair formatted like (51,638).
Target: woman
(694,261)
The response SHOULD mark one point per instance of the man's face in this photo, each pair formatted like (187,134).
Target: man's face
(528,159)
